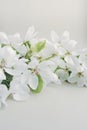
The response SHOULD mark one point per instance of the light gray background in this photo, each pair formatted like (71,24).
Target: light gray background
(56,108)
(45,15)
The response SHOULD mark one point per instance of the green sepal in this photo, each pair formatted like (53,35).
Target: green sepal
(40,85)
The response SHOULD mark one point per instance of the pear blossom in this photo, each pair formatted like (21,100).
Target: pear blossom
(78,74)
(64,44)
(15,41)
(64,41)
(10,62)
(44,68)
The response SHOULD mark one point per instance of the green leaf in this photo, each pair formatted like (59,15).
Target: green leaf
(39,46)
(2,45)
(7,80)
(40,85)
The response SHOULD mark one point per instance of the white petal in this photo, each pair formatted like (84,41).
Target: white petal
(47,65)
(20,48)
(34,62)
(49,50)
(73,78)
(21,94)
(8,53)
(30,34)
(61,50)
(4,93)
(72,44)
(15,39)
(63,75)
(59,62)
(33,81)
(3,38)
(48,76)
(54,36)
(66,36)
(19,89)
(2,75)
(18,68)
(69,60)
(81,82)
(3,104)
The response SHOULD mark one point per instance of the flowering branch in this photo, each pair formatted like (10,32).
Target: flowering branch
(31,63)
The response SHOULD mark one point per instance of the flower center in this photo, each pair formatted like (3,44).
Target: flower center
(2,63)
(80,74)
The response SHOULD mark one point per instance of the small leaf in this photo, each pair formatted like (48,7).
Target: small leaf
(40,85)
(2,45)
(7,80)
(39,46)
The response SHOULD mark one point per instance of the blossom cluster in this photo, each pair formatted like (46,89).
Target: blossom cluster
(28,64)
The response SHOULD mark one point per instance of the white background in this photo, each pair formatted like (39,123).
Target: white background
(56,108)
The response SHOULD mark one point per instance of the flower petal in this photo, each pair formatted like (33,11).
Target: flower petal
(73,78)
(62,74)
(2,75)
(3,38)
(65,36)
(30,34)
(4,93)
(54,36)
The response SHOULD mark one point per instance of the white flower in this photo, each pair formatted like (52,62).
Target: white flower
(18,67)
(7,56)
(15,41)
(78,77)
(44,69)
(10,62)
(64,43)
